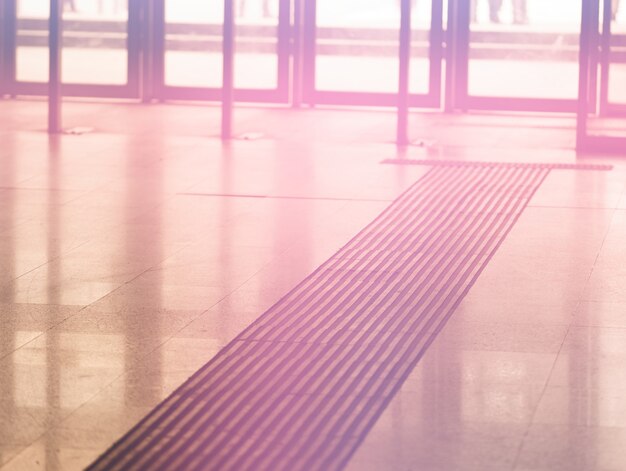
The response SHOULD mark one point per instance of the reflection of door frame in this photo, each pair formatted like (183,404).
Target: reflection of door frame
(432,99)
(129,90)
(280,94)
(590,57)
(465,101)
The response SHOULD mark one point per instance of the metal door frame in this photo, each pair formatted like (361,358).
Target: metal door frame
(592,55)
(11,86)
(432,99)
(280,94)
(606,107)
(462,100)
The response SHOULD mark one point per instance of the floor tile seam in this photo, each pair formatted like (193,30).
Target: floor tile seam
(232,291)
(549,376)
(535,408)
(45,433)
(348,453)
(374,375)
(621,204)
(86,307)
(312,279)
(86,401)
(491,164)
(323,352)
(422,195)
(383,402)
(268,264)
(290,197)
(402,279)
(410,222)
(414,195)
(377,237)
(147,354)
(570,207)
(272,447)
(401,289)
(137,429)
(307,373)
(502,222)
(599,252)
(322,442)
(237,467)
(476,275)
(395,301)
(14,458)
(408,237)
(45,332)
(85,193)
(50,260)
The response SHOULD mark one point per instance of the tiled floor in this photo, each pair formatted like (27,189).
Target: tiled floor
(132,254)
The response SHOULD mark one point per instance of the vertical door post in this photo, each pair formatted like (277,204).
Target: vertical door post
(402,132)
(228,42)
(55,34)
(583,74)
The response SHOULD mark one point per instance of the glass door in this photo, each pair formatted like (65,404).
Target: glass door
(101,49)
(352,52)
(613,93)
(189,62)
(520,55)
(601,129)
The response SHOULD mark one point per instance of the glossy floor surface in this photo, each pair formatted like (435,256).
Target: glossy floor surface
(131,255)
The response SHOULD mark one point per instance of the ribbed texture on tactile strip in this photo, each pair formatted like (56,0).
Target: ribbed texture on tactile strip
(472,163)
(300,388)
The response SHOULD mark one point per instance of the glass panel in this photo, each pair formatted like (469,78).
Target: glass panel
(357,45)
(193,43)
(193,52)
(95,33)
(524,48)
(256,62)
(420,49)
(32,41)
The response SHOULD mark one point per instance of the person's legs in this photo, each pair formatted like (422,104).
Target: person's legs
(494,10)
(241,8)
(520,15)
(70,4)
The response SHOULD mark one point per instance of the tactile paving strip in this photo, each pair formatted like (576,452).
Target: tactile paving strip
(300,388)
(473,163)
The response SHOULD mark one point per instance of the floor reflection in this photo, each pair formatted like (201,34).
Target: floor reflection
(125,268)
